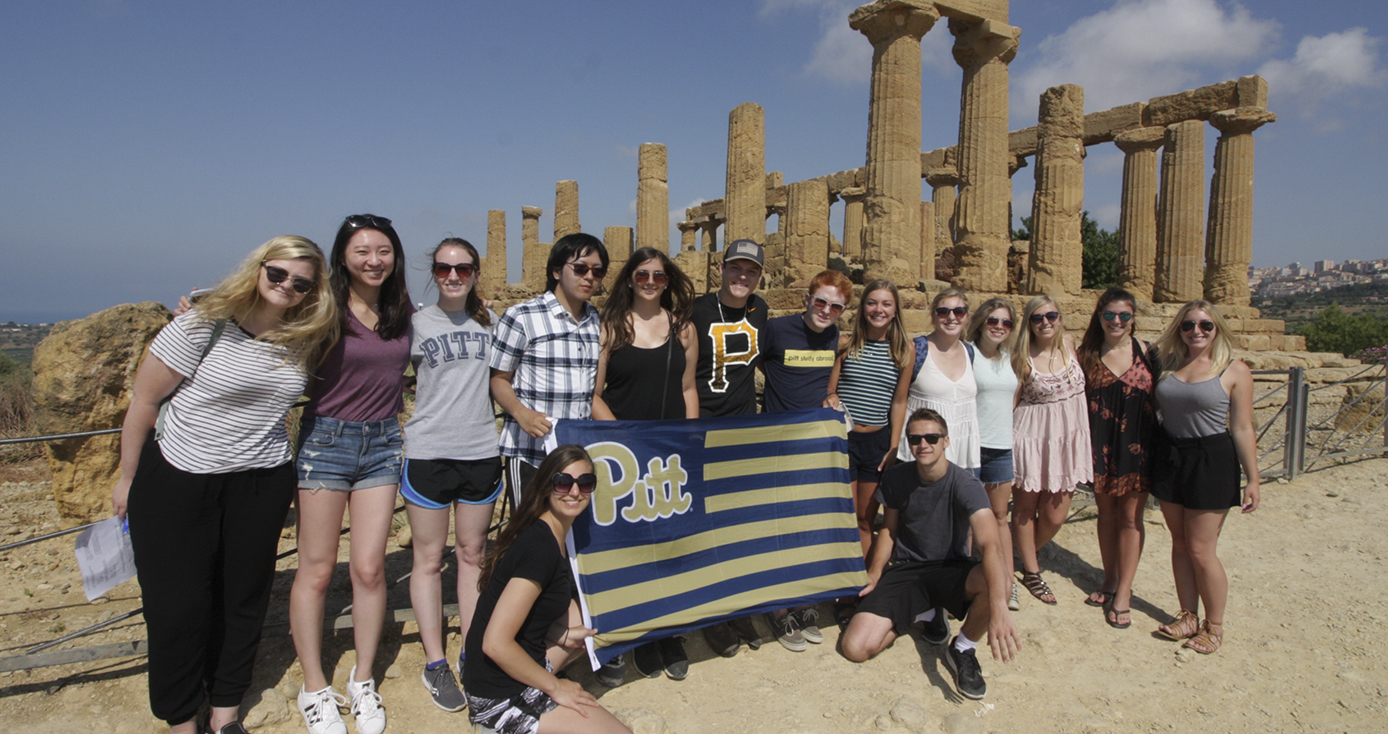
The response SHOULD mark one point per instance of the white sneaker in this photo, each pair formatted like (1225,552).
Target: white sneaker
(366,704)
(320,711)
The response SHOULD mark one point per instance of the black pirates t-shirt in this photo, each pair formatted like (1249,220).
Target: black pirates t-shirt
(729,352)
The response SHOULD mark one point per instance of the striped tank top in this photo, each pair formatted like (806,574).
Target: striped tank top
(867,382)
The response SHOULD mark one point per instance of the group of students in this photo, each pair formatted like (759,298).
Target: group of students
(208,471)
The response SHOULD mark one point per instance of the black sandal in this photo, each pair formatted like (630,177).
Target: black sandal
(1038,588)
(1111,615)
(1099,598)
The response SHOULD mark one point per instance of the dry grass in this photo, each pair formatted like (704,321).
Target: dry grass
(17,418)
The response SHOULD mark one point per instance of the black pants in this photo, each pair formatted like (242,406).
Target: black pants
(518,474)
(205,547)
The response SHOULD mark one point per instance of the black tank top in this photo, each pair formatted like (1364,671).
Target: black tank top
(634,384)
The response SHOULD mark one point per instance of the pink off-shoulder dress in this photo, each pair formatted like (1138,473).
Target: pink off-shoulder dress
(1051,449)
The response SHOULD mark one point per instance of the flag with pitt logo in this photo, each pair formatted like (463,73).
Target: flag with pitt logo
(699,521)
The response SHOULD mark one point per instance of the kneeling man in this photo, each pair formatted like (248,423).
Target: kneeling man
(921,565)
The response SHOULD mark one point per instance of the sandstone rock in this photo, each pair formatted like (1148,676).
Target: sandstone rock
(266,708)
(910,714)
(962,722)
(83,373)
(641,721)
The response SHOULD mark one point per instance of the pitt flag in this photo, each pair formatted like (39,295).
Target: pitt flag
(698,521)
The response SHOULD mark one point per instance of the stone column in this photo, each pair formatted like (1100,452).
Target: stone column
(1180,214)
(710,235)
(745,199)
(1137,220)
(1055,264)
(652,199)
(853,221)
(1229,247)
(688,242)
(981,229)
(566,209)
(943,195)
(891,229)
(533,257)
(617,240)
(927,251)
(496,251)
(806,225)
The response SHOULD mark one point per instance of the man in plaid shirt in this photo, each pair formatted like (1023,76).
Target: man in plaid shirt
(545,355)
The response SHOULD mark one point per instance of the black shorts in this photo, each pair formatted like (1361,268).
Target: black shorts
(1197,473)
(908,588)
(438,483)
(865,452)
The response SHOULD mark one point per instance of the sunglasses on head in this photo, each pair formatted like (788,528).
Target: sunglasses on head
(277,275)
(646,276)
(368,220)
(465,270)
(914,439)
(994,321)
(959,311)
(1205,325)
(1051,316)
(824,303)
(1124,316)
(582,270)
(586,482)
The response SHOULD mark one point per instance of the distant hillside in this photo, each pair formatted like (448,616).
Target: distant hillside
(17,341)
(1364,298)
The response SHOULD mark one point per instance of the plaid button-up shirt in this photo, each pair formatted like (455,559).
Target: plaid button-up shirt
(555,361)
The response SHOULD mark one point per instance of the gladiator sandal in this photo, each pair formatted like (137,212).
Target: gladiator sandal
(1185,626)
(1210,637)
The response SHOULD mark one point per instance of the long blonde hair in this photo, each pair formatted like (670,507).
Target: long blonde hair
(896,331)
(308,329)
(1021,363)
(1172,347)
(974,332)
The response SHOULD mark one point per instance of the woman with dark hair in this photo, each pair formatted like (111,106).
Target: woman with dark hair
(527,624)
(350,461)
(207,475)
(1206,402)
(1050,436)
(452,461)
(1119,374)
(646,372)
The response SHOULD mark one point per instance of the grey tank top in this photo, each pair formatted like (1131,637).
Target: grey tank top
(1193,409)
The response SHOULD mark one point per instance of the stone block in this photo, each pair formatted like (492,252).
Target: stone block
(1100,127)
(1195,104)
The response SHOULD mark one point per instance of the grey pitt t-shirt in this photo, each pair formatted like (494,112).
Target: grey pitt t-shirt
(453,416)
(934,521)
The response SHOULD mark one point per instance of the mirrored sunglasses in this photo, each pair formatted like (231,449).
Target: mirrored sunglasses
(1124,316)
(1205,325)
(994,321)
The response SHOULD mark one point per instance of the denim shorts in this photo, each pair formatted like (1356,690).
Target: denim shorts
(995,465)
(349,455)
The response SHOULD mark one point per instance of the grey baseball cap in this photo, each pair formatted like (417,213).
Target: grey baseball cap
(744,250)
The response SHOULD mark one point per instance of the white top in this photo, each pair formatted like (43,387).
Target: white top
(954,401)
(997,385)
(453,416)
(228,413)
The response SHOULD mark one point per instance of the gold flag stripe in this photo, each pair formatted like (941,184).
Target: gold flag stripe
(774,434)
(773,495)
(619,558)
(775,465)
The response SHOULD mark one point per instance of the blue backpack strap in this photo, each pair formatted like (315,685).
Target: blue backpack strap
(922,348)
(970,349)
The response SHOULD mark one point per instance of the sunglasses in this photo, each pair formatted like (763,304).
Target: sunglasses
(645,276)
(277,275)
(914,439)
(1051,316)
(1205,326)
(582,270)
(1124,316)
(959,311)
(368,220)
(823,303)
(465,270)
(994,321)
(586,482)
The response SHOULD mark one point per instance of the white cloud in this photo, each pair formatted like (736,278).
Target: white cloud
(1325,65)
(1139,49)
(843,55)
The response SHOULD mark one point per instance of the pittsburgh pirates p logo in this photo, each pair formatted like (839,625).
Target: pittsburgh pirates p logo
(733,344)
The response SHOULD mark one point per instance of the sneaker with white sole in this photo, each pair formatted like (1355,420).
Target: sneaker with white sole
(366,704)
(787,630)
(443,689)
(936,631)
(807,620)
(968,676)
(319,709)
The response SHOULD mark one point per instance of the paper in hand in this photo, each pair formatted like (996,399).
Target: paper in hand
(105,556)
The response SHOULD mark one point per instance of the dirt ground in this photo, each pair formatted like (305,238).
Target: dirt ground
(1304,650)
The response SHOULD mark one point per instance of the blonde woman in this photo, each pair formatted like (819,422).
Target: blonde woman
(992,332)
(943,379)
(208,492)
(1050,436)
(1206,401)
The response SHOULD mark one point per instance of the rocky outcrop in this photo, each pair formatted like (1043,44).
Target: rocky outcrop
(83,373)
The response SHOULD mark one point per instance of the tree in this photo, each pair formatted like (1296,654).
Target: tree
(1100,257)
(1336,331)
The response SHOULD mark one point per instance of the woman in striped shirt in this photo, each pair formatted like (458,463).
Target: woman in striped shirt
(208,494)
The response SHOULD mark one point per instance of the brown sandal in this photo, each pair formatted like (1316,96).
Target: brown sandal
(1210,637)
(1185,626)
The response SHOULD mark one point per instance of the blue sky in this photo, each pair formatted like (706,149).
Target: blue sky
(148,146)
